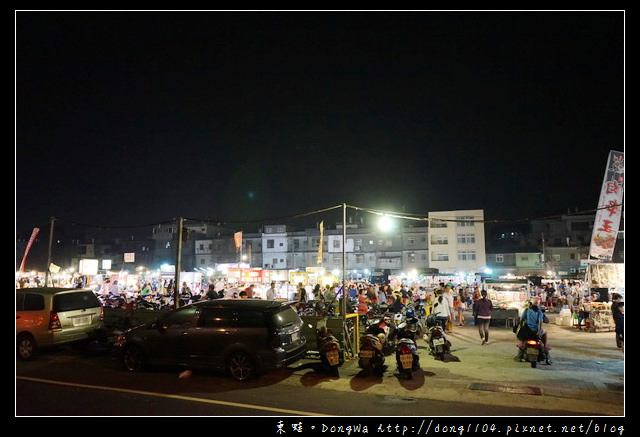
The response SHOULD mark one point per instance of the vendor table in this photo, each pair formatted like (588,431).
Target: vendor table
(500,316)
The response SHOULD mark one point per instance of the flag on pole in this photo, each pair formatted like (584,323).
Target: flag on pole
(320,242)
(607,221)
(34,233)
(237,238)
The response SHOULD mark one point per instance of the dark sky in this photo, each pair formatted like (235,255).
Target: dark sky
(126,118)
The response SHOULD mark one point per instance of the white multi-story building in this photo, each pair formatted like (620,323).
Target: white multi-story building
(456,241)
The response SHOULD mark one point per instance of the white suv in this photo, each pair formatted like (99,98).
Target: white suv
(52,316)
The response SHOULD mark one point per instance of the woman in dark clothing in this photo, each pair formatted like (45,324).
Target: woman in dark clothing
(482,312)
(617,310)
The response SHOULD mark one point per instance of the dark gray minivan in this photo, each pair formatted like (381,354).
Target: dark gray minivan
(240,336)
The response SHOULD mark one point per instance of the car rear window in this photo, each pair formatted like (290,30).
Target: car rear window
(251,319)
(75,301)
(286,317)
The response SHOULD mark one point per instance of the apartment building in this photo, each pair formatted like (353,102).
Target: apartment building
(456,241)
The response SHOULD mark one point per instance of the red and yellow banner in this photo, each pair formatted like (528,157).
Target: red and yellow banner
(34,234)
(237,239)
(320,242)
(607,222)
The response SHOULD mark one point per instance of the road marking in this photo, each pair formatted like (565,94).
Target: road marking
(169,396)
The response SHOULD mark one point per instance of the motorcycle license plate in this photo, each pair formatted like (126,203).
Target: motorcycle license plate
(532,352)
(367,353)
(333,358)
(406,360)
(438,341)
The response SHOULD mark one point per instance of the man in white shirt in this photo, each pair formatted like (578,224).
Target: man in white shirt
(271,292)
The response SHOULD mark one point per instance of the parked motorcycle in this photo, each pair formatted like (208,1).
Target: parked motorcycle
(330,354)
(384,328)
(371,357)
(437,341)
(414,322)
(407,357)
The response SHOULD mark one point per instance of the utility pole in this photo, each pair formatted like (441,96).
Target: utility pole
(176,287)
(343,310)
(48,267)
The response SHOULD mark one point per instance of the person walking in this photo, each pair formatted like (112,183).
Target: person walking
(617,310)
(441,310)
(461,306)
(482,310)
(450,298)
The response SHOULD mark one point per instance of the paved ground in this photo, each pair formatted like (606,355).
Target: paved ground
(587,374)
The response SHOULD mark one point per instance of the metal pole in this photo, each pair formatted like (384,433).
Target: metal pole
(344,262)
(176,286)
(47,269)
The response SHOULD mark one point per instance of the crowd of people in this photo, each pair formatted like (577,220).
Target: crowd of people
(447,301)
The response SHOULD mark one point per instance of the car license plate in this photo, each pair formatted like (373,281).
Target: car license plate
(406,360)
(367,353)
(333,358)
(438,341)
(81,321)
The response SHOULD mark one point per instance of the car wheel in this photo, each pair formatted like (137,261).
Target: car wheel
(240,366)
(133,358)
(26,347)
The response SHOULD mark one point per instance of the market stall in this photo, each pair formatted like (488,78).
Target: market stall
(508,297)
(608,278)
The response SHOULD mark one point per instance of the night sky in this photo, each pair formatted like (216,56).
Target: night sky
(127,118)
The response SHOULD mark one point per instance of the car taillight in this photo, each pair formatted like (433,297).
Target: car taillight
(275,340)
(54,321)
(404,349)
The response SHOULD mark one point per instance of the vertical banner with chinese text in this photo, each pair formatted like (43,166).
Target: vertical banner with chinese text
(237,239)
(607,221)
(320,242)
(34,234)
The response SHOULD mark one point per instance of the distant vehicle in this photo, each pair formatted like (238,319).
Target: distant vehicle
(52,316)
(243,337)
(380,277)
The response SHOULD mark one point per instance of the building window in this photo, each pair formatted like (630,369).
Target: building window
(499,258)
(270,244)
(441,256)
(465,221)
(466,238)
(467,255)
(440,239)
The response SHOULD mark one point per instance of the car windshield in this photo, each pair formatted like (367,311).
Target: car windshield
(286,317)
(75,301)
